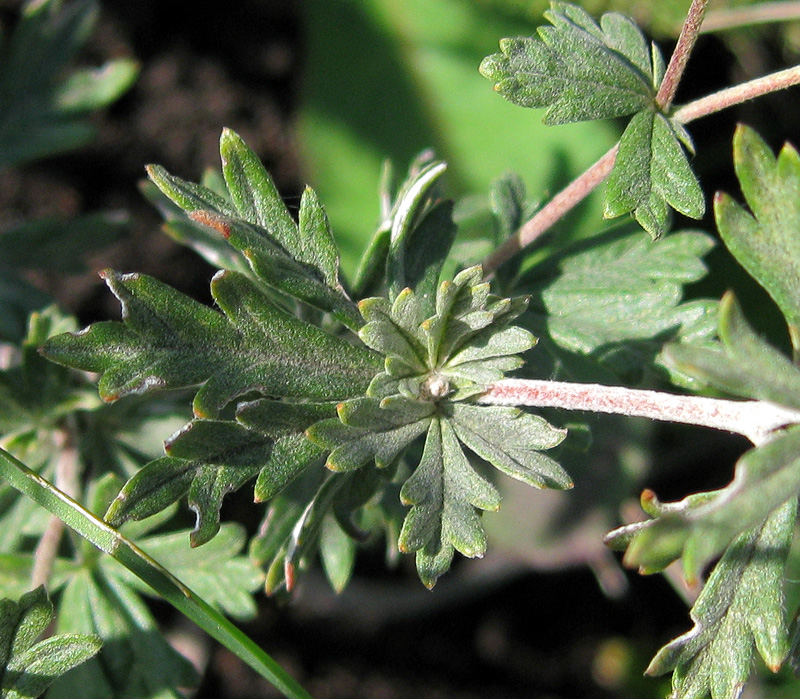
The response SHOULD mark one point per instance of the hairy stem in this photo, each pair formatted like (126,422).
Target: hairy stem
(680,56)
(574,193)
(735,17)
(739,93)
(553,211)
(756,420)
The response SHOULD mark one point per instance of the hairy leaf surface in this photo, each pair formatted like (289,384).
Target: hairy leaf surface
(576,68)
(167,340)
(739,611)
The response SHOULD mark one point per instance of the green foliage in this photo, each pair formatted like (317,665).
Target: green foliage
(621,317)
(28,668)
(581,70)
(41,111)
(739,610)
(358,408)
(763,240)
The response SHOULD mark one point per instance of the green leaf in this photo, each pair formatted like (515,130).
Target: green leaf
(511,440)
(701,526)
(576,68)
(744,364)
(764,240)
(652,173)
(445,493)
(217,571)
(41,110)
(134,559)
(167,340)
(337,551)
(366,431)
(635,295)
(292,453)
(28,668)
(421,235)
(301,261)
(740,609)
(135,655)
(208,459)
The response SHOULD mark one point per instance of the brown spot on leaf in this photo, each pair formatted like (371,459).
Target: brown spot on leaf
(212,220)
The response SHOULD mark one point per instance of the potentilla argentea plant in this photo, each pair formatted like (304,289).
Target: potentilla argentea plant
(383,408)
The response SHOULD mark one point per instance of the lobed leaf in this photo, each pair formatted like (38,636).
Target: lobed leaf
(764,240)
(512,441)
(701,527)
(576,68)
(740,610)
(743,364)
(28,668)
(42,104)
(299,260)
(167,340)
(651,174)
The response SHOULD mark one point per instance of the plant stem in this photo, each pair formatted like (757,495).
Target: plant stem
(553,211)
(575,192)
(680,56)
(735,17)
(738,93)
(66,479)
(756,420)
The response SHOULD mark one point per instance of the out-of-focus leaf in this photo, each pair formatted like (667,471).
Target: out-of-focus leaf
(616,299)
(410,83)
(135,661)
(40,110)
(764,240)
(28,667)
(217,571)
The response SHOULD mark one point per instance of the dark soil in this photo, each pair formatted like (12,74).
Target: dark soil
(518,635)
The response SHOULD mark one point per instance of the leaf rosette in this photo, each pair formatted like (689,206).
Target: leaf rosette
(433,365)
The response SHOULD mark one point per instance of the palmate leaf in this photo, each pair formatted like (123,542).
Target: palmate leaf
(136,661)
(297,259)
(433,365)
(614,300)
(167,340)
(764,240)
(28,668)
(217,572)
(210,458)
(578,69)
(740,610)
